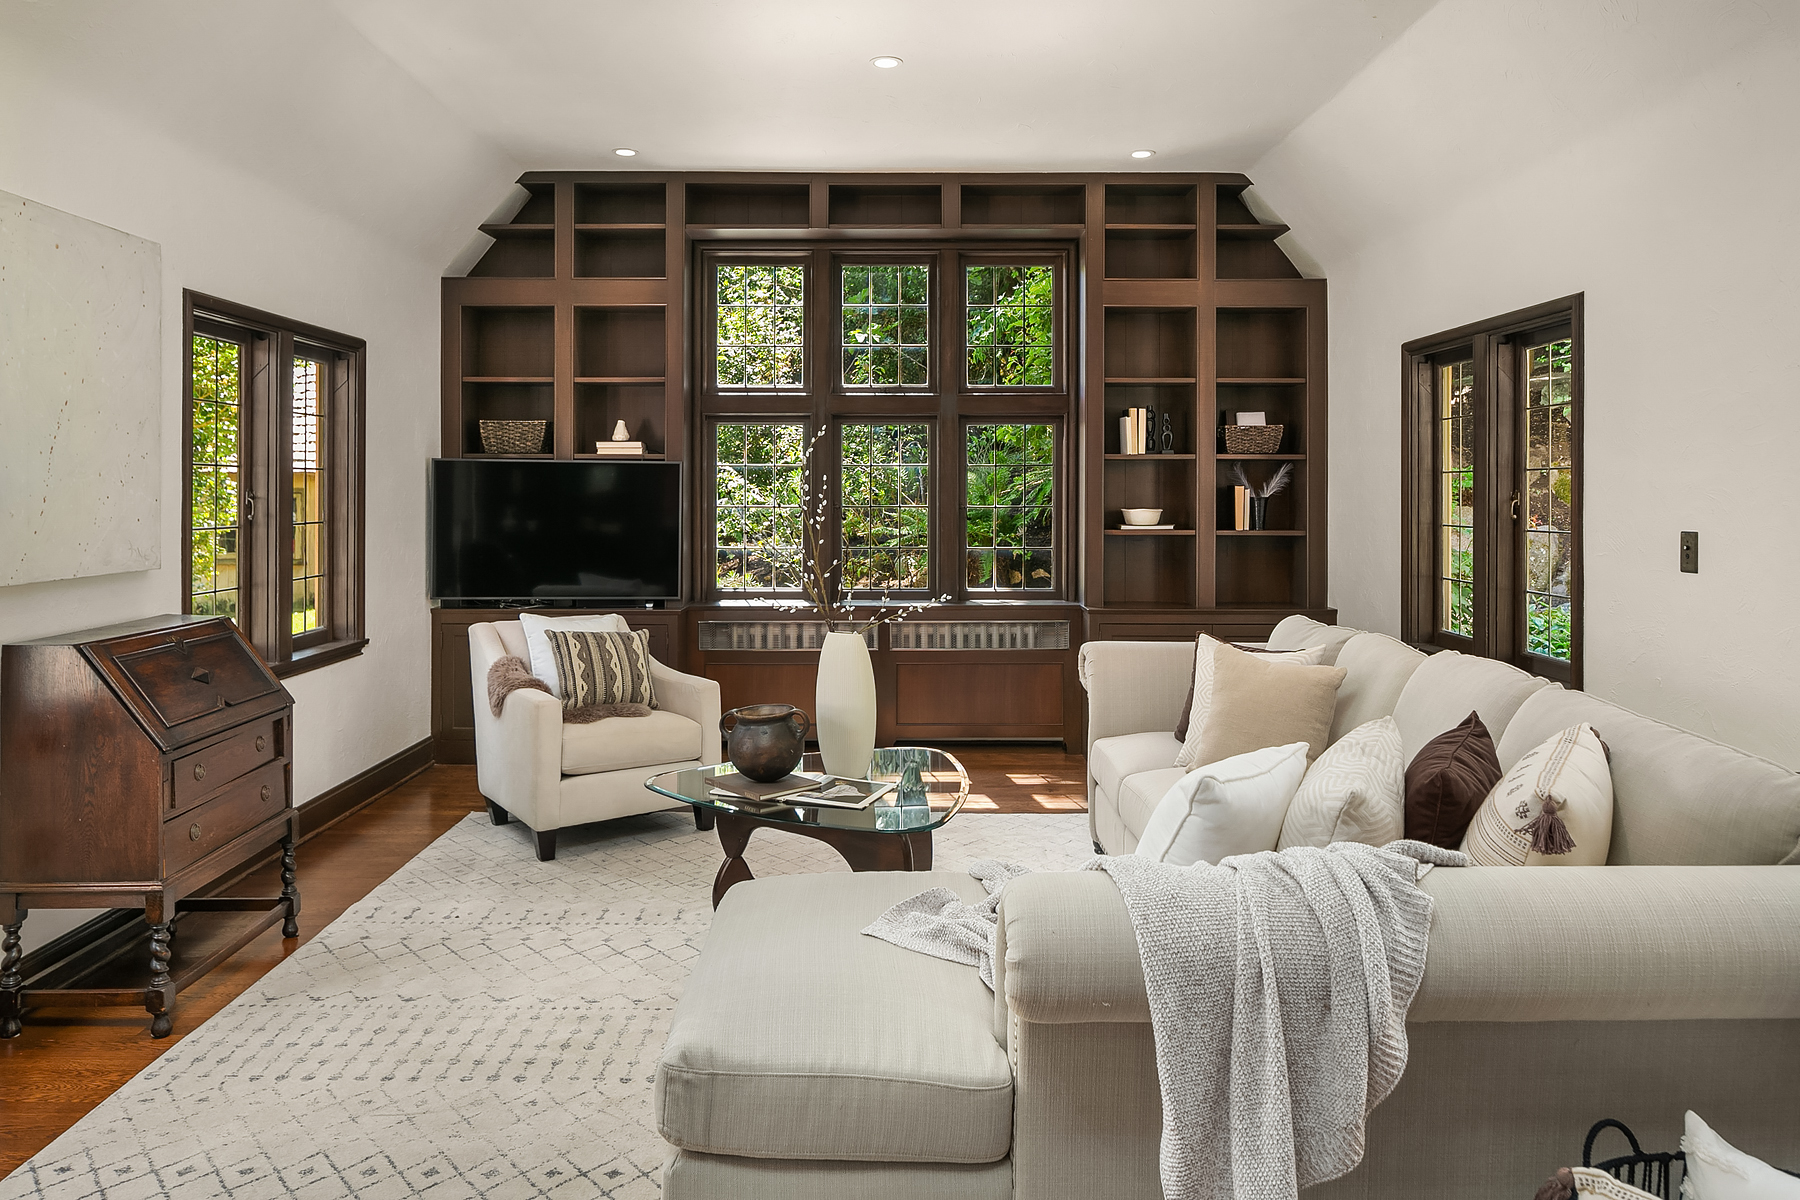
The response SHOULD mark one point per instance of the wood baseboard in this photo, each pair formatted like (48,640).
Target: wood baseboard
(321,813)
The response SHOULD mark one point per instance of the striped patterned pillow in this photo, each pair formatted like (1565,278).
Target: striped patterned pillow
(597,667)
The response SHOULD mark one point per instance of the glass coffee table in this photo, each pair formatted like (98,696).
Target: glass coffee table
(892,834)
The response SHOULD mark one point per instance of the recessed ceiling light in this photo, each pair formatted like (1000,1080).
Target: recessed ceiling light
(1143,154)
(885,61)
(625,152)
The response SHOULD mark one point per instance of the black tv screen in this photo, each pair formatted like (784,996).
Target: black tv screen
(508,531)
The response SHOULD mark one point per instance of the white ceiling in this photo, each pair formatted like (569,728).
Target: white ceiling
(787,84)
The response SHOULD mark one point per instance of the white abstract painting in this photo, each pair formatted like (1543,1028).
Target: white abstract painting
(80,406)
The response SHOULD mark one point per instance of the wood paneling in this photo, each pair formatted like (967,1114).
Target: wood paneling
(765,683)
(978,692)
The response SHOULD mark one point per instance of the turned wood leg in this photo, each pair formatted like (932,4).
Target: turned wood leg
(158,1001)
(12,1008)
(290,892)
(703,818)
(734,836)
(546,844)
(496,814)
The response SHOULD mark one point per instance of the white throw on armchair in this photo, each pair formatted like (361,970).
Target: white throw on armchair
(550,775)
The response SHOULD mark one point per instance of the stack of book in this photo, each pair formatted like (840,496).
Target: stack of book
(619,449)
(1137,431)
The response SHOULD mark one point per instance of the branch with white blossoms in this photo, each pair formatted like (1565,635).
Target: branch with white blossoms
(822,582)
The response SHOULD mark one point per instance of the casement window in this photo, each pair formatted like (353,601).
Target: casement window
(930,385)
(273,513)
(1493,486)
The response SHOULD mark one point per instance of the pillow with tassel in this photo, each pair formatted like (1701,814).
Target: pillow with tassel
(1553,809)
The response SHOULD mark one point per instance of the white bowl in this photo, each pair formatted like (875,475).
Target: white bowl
(1141,516)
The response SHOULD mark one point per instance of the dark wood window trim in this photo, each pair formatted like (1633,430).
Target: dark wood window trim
(946,405)
(266,548)
(1496,348)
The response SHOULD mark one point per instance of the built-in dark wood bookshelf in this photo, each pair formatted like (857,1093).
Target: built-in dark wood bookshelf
(582,314)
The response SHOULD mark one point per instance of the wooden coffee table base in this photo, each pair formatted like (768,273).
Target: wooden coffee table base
(864,850)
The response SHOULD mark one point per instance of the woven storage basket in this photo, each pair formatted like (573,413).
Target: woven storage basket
(1253,439)
(513,437)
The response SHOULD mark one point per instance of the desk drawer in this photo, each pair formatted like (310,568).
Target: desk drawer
(190,836)
(205,771)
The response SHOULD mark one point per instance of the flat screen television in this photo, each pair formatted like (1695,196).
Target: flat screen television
(555,532)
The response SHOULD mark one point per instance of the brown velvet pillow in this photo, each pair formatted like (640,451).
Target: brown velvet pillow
(1447,781)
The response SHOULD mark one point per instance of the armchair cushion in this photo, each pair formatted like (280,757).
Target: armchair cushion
(1112,760)
(617,743)
(1138,798)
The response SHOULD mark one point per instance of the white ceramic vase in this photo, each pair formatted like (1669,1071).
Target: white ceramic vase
(844,705)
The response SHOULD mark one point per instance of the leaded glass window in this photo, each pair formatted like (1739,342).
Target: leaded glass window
(309,496)
(758,508)
(214,485)
(1011,502)
(761,339)
(1548,526)
(885,500)
(1011,325)
(1456,498)
(886,325)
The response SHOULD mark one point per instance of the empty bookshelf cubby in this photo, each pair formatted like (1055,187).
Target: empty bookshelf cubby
(620,254)
(1252,256)
(1153,571)
(1149,204)
(1262,343)
(886,204)
(1024,204)
(517,254)
(748,205)
(601,406)
(620,203)
(508,343)
(1150,344)
(1150,253)
(614,344)
(1255,570)
(539,207)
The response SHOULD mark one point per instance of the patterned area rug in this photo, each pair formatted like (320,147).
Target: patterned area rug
(482,1024)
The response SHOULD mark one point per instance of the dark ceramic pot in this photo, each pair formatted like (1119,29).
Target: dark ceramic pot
(1259,512)
(765,741)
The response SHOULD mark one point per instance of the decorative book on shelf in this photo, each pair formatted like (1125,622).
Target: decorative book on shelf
(619,449)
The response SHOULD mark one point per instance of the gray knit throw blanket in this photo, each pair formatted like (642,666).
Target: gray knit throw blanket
(1279,985)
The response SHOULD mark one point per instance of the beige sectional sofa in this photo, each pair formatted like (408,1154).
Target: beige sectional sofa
(805,1060)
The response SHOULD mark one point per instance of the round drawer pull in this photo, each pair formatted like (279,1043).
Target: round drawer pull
(266,792)
(194,832)
(199,770)
(262,743)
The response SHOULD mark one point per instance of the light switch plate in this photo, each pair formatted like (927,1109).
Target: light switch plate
(1690,551)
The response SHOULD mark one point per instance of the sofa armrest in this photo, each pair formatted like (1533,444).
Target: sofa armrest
(1065,952)
(1612,944)
(695,698)
(518,755)
(1134,687)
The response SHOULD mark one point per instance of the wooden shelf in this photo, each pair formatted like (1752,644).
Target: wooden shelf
(619,379)
(1261,457)
(592,227)
(1151,532)
(485,454)
(507,379)
(1149,379)
(1151,457)
(532,230)
(1252,232)
(1285,533)
(1148,225)
(1256,381)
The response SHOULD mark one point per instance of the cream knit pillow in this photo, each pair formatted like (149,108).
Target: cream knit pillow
(1205,649)
(1553,809)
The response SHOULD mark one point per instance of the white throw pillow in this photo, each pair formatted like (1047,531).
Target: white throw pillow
(543,663)
(1595,1183)
(1354,792)
(1567,769)
(1717,1170)
(1204,647)
(1233,806)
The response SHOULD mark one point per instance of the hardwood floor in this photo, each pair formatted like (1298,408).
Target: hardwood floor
(69,1060)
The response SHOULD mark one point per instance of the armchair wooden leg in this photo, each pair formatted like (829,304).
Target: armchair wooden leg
(546,844)
(703,818)
(496,814)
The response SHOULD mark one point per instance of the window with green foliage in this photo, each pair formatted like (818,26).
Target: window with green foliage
(1011,325)
(761,335)
(884,499)
(215,444)
(1456,500)
(1011,506)
(758,510)
(1549,526)
(311,585)
(886,325)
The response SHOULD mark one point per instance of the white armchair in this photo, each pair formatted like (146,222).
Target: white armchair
(550,775)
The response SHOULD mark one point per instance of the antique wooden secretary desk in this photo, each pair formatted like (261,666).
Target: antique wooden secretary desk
(139,764)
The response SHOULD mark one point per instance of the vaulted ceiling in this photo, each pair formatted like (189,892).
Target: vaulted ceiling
(1024,85)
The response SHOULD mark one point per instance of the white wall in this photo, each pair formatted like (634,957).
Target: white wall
(281,163)
(1506,152)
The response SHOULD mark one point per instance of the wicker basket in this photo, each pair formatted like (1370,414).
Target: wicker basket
(1253,439)
(513,437)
